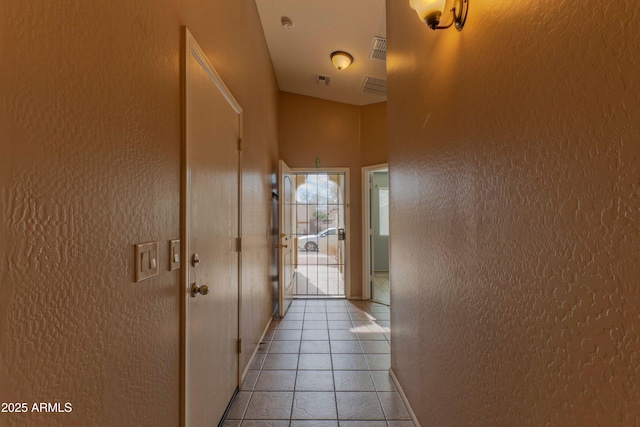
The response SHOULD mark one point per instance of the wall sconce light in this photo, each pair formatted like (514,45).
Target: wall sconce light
(341,60)
(430,12)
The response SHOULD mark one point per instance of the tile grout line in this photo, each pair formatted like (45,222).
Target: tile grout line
(293,398)
(350,310)
(333,375)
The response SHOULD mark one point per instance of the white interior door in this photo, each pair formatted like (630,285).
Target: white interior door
(210,254)
(370,249)
(286,214)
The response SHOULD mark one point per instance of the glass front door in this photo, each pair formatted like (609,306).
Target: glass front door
(320,234)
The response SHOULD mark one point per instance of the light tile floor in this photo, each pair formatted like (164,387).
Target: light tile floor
(326,363)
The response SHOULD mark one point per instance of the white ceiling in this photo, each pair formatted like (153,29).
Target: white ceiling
(319,28)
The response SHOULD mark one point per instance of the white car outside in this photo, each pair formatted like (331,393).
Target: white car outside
(312,242)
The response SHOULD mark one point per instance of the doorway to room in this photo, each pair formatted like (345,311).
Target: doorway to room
(321,233)
(376,233)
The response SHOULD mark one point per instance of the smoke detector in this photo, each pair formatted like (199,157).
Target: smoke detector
(287,23)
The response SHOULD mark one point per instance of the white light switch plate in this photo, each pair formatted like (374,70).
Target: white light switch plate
(146,264)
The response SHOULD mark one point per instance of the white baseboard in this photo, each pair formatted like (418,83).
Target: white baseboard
(404,398)
(255,351)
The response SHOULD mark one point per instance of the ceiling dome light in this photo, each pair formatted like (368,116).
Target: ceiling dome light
(341,60)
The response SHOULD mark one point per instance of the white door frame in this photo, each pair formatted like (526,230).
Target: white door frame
(367,227)
(347,214)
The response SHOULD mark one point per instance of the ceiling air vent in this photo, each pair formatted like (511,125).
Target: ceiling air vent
(378,49)
(322,80)
(373,85)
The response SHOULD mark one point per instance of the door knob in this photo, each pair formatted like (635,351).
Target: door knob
(202,290)
(280,246)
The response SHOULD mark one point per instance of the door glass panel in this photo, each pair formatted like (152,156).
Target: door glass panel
(320,212)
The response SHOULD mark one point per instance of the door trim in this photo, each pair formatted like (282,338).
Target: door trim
(191,47)
(347,201)
(367,226)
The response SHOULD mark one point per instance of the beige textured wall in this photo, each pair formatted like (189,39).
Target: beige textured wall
(311,127)
(89,165)
(514,157)
(373,134)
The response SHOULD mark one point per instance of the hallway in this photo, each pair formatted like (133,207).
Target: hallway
(324,364)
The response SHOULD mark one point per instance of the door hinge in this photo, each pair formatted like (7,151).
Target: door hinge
(239,144)
(239,244)
(240,345)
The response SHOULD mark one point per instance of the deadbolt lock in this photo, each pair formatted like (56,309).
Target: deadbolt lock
(195,260)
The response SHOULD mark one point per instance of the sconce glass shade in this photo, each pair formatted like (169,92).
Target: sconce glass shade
(341,60)
(429,11)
